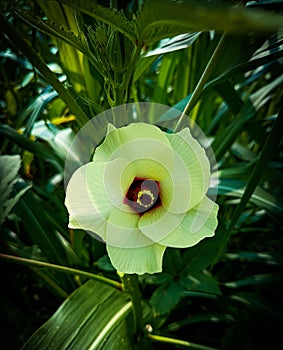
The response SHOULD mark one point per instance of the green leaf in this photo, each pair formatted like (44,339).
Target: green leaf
(261,257)
(9,168)
(178,42)
(166,297)
(171,114)
(259,302)
(156,279)
(55,30)
(34,110)
(230,96)
(165,75)
(262,57)
(59,139)
(39,221)
(222,143)
(202,255)
(69,96)
(269,149)
(258,321)
(143,64)
(206,317)
(200,282)
(160,19)
(255,280)
(104,264)
(260,197)
(235,59)
(115,19)
(93,317)
(34,147)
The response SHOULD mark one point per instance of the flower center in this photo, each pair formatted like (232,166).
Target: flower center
(143,195)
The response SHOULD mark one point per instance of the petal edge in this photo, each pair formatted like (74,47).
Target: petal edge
(137,260)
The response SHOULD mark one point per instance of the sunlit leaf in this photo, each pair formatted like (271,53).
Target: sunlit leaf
(173,44)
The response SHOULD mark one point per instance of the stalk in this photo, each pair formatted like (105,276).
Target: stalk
(131,286)
(203,79)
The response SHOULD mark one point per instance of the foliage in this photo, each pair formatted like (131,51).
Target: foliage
(63,62)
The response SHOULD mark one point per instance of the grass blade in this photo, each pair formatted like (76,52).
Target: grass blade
(268,151)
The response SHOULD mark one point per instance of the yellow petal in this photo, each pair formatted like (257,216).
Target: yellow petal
(199,223)
(190,176)
(123,231)
(158,223)
(137,141)
(84,212)
(137,260)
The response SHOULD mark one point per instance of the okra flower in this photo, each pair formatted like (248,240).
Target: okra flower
(143,191)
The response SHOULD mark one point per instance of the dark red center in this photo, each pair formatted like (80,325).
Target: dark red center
(143,195)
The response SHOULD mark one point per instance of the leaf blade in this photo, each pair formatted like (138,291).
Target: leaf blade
(85,320)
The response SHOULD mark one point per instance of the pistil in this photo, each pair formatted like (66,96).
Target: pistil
(143,195)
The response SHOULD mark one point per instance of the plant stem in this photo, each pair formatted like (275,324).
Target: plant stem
(203,79)
(161,339)
(131,286)
(41,264)
(55,287)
